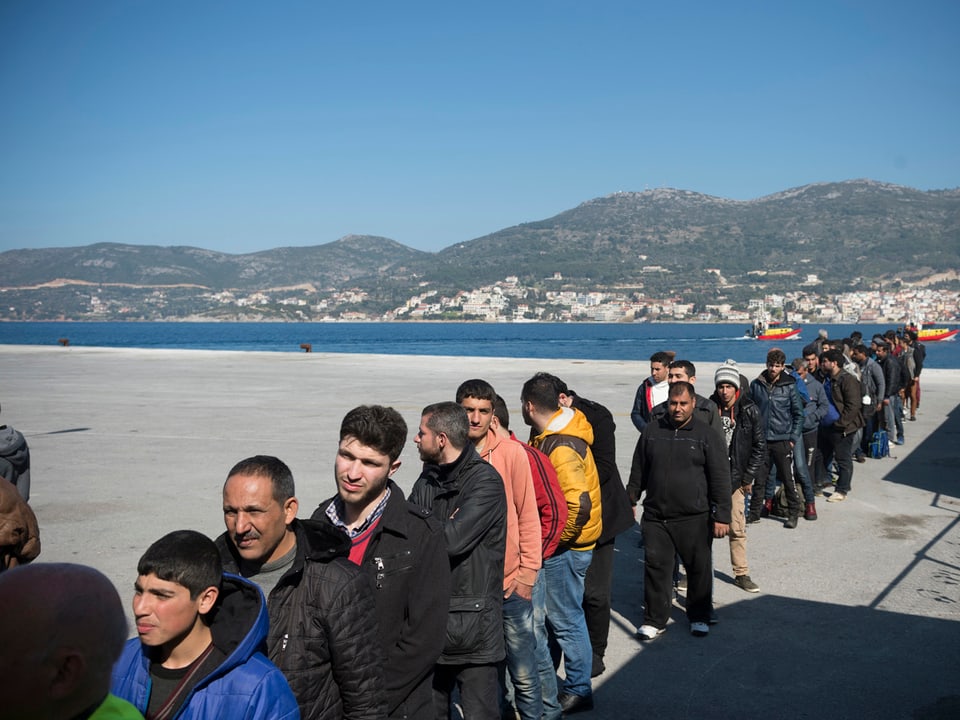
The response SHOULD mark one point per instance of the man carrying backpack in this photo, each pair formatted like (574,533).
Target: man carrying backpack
(15,460)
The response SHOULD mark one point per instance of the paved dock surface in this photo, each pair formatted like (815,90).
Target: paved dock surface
(858,614)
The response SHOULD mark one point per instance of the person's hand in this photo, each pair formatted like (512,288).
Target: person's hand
(720,530)
(524,591)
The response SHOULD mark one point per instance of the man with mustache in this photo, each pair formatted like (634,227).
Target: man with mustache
(323,619)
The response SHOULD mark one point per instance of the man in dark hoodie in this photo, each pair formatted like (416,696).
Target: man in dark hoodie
(781,411)
(323,619)
(400,547)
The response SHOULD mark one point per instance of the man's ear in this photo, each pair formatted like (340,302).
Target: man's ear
(69,670)
(290,508)
(394,467)
(207,599)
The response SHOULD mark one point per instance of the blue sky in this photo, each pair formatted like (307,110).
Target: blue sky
(242,126)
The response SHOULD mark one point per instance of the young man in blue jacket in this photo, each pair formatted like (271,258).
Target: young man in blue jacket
(200,630)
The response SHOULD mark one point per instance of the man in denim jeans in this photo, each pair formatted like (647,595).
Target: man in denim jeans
(564,435)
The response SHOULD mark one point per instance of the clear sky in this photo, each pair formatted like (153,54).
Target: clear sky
(246,125)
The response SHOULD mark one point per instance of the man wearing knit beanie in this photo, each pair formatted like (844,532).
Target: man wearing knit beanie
(746,448)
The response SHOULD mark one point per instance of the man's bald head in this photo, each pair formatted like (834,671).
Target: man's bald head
(64,627)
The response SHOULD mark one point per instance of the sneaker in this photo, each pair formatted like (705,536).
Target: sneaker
(791,522)
(837,497)
(860,457)
(898,441)
(810,511)
(745,583)
(752,518)
(913,418)
(699,629)
(649,632)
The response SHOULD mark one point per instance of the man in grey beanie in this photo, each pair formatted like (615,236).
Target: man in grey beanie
(746,448)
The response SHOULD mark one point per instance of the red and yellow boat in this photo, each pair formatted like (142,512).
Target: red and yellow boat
(774,331)
(929,332)
(765,329)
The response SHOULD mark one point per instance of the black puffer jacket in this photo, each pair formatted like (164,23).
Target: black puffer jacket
(323,629)
(406,560)
(468,497)
(748,446)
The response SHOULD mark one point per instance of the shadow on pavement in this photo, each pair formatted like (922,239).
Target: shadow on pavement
(779,657)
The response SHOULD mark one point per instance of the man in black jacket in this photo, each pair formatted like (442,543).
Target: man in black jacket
(323,619)
(845,394)
(400,547)
(893,378)
(747,450)
(681,468)
(467,495)
(616,517)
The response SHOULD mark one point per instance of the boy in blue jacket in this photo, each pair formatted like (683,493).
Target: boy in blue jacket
(200,630)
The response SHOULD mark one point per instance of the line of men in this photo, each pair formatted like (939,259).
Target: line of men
(700,460)
(377,605)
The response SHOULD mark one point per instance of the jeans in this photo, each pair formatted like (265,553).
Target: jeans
(548,675)
(521,660)
(898,415)
(892,419)
(564,574)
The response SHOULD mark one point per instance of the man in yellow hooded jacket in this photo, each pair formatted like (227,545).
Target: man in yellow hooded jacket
(564,435)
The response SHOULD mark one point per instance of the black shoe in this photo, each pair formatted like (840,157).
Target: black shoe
(752,518)
(713,619)
(571,703)
(598,667)
(791,522)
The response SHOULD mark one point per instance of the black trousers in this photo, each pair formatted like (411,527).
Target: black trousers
(691,539)
(780,455)
(479,691)
(596,596)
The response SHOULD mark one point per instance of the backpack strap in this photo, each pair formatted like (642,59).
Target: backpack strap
(552,442)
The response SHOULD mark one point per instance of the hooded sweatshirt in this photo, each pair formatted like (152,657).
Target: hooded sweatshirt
(523,555)
(566,440)
(244,685)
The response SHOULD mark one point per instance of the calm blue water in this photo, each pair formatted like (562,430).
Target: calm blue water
(588,341)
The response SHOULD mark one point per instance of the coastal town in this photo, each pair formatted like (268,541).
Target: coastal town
(510,301)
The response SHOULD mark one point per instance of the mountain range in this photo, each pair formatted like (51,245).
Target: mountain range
(848,234)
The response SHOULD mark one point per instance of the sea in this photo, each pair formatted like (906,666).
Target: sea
(706,342)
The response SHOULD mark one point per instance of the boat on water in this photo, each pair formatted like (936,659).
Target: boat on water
(764,328)
(931,332)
